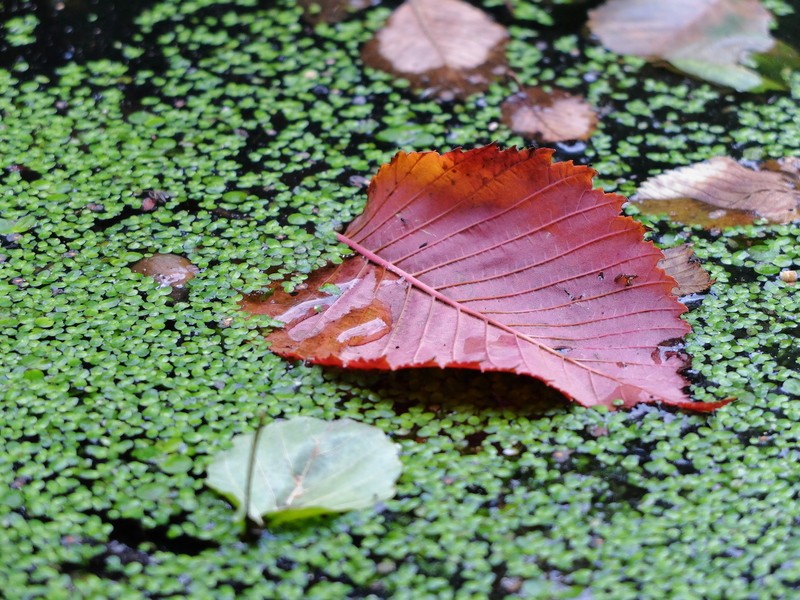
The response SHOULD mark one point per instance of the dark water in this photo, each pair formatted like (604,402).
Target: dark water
(84,30)
(68,31)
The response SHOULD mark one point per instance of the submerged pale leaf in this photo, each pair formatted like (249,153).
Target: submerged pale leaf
(710,39)
(448,47)
(304,467)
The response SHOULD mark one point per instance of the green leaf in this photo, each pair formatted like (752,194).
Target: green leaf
(734,76)
(304,467)
(413,136)
(21,225)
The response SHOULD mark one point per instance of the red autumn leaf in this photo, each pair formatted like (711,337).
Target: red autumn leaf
(499,261)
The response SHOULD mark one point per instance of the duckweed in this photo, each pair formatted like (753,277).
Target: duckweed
(261,132)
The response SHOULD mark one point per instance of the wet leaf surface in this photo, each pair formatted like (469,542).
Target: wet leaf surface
(167,269)
(694,212)
(498,261)
(447,47)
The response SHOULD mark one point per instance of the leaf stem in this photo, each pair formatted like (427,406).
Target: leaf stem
(251,465)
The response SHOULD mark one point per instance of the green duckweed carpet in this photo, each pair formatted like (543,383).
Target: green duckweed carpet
(257,133)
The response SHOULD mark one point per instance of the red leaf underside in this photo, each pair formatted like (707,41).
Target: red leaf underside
(498,261)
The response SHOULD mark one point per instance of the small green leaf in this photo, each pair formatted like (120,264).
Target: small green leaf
(304,467)
(32,375)
(331,288)
(767,269)
(413,136)
(791,386)
(25,223)
(176,463)
(21,225)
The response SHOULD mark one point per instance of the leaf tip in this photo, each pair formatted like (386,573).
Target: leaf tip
(702,407)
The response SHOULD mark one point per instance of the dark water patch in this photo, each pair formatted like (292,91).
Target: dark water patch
(788,358)
(130,533)
(25,173)
(466,390)
(126,213)
(566,17)
(70,31)
(231,215)
(124,547)
(740,274)
(307,170)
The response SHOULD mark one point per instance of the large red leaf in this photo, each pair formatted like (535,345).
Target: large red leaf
(499,261)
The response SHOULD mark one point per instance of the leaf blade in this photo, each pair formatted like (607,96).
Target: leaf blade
(724,184)
(305,467)
(498,260)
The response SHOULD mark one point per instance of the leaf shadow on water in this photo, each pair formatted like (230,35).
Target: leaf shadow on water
(492,396)
(463,390)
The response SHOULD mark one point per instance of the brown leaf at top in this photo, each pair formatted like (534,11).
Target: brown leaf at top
(724,193)
(330,11)
(167,269)
(446,46)
(705,38)
(555,116)
(682,265)
(498,261)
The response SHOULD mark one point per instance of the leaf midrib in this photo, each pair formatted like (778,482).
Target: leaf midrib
(374,258)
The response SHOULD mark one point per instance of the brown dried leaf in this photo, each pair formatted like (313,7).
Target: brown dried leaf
(694,212)
(789,165)
(555,116)
(167,269)
(705,38)
(683,266)
(446,46)
(330,11)
(727,189)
